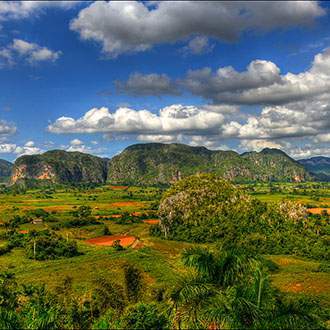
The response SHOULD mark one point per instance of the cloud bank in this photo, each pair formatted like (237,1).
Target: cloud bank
(132,26)
(174,118)
(261,83)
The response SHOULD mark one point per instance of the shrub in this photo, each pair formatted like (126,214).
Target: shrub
(106,230)
(133,282)
(144,316)
(117,246)
(4,249)
(83,211)
(48,245)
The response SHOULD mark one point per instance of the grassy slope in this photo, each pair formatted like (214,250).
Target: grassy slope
(297,275)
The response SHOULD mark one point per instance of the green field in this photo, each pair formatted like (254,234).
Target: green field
(159,259)
(109,200)
(310,194)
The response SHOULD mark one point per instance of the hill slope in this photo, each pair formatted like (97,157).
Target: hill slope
(157,163)
(60,166)
(274,164)
(5,169)
(318,165)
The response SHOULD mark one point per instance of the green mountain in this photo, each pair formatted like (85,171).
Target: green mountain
(320,166)
(157,163)
(276,165)
(5,169)
(60,166)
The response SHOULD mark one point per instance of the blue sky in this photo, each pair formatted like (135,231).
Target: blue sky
(150,73)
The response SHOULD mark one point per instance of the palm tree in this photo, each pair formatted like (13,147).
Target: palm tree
(188,299)
(223,268)
(225,289)
(42,309)
(9,319)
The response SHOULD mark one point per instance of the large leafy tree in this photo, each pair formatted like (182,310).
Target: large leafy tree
(205,208)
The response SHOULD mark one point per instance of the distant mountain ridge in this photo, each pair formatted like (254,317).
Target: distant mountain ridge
(157,163)
(319,165)
(5,169)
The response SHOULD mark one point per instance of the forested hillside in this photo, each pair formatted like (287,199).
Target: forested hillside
(58,166)
(157,163)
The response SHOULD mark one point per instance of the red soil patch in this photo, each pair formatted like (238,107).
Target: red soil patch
(119,187)
(23,231)
(136,214)
(125,241)
(318,210)
(120,204)
(115,216)
(152,221)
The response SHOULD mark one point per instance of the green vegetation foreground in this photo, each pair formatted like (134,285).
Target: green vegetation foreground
(221,281)
(223,290)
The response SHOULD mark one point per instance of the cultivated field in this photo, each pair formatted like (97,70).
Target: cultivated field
(128,213)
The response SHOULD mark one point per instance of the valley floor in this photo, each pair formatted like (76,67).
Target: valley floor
(159,259)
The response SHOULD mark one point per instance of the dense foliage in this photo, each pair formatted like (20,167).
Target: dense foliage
(108,305)
(221,289)
(229,289)
(45,245)
(204,208)
(41,245)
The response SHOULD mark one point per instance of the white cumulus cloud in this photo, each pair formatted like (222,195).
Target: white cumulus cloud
(173,118)
(7,148)
(261,83)
(29,148)
(132,26)
(257,145)
(13,10)
(32,53)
